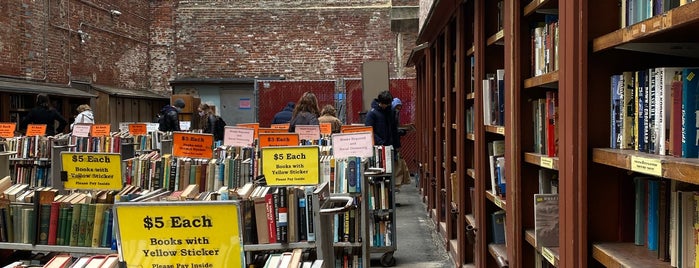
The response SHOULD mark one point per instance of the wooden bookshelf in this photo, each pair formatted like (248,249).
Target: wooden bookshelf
(496,39)
(541,160)
(498,251)
(548,80)
(471,136)
(470,51)
(470,219)
(499,202)
(529,237)
(681,169)
(470,96)
(535,5)
(500,130)
(471,173)
(625,255)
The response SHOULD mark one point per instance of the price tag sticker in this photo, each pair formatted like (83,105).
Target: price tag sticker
(498,201)
(7,130)
(308,132)
(36,130)
(500,130)
(99,171)
(548,255)
(353,144)
(279,139)
(646,165)
(255,126)
(138,129)
(100,130)
(192,145)
(81,130)
(546,162)
(290,165)
(238,136)
(180,234)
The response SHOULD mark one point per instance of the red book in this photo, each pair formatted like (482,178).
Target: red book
(271,222)
(53,222)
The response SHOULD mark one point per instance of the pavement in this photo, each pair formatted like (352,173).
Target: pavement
(416,236)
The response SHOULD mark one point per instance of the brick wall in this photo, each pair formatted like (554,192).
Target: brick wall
(39,40)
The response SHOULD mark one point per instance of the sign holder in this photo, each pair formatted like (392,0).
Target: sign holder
(164,234)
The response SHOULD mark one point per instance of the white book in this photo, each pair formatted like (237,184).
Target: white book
(486,102)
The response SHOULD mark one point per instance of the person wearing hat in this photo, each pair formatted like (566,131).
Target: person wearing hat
(397,105)
(169,116)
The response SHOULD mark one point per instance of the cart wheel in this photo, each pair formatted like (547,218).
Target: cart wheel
(387,259)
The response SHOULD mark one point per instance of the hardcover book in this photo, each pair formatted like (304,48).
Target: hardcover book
(546,220)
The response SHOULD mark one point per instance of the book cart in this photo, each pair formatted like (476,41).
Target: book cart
(381,215)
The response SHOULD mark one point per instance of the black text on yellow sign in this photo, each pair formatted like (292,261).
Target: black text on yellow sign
(100,171)
(290,165)
(180,234)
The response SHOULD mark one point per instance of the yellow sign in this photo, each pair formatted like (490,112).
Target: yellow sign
(180,234)
(36,130)
(7,130)
(97,171)
(648,166)
(290,165)
(279,139)
(546,162)
(192,145)
(99,130)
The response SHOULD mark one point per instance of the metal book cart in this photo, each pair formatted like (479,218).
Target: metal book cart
(386,214)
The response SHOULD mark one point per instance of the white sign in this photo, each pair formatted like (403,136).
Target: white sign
(152,127)
(124,126)
(353,144)
(81,130)
(308,132)
(184,125)
(238,136)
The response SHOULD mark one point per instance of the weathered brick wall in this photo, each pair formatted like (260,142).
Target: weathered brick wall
(291,39)
(39,40)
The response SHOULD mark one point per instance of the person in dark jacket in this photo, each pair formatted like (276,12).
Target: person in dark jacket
(169,116)
(306,111)
(284,116)
(382,120)
(44,114)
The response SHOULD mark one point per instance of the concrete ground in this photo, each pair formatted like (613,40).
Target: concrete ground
(417,239)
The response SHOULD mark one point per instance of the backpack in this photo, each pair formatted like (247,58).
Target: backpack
(219,127)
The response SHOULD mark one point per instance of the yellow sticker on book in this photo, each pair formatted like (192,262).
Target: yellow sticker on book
(546,162)
(548,255)
(172,234)
(290,165)
(94,171)
(646,165)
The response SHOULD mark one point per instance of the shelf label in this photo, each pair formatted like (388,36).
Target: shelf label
(548,255)
(99,130)
(280,126)
(290,165)
(7,130)
(326,128)
(308,132)
(646,165)
(279,139)
(36,130)
(255,126)
(500,130)
(546,162)
(94,171)
(138,129)
(353,144)
(180,234)
(498,201)
(238,136)
(193,145)
(81,130)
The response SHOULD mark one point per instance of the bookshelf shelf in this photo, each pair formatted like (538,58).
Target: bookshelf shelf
(67,249)
(551,254)
(471,173)
(529,237)
(498,251)
(495,199)
(471,136)
(470,220)
(652,29)
(470,96)
(454,159)
(347,244)
(496,39)
(453,126)
(681,169)
(495,129)
(548,80)
(454,207)
(541,160)
(625,255)
(470,51)
(454,248)
(535,5)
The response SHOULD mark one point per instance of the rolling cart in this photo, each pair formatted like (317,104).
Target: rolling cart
(381,215)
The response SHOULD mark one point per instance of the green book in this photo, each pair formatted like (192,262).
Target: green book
(28,231)
(82,231)
(75,225)
(63,213)
(44,223)
(90,224)
(105,240)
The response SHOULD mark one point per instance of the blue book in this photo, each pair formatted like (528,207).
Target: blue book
(498,223)
(617,92)
(653,210)
(689,107)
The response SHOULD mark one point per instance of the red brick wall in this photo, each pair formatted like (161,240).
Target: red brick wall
(39,41)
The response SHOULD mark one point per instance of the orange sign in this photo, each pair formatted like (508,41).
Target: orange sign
(255,126)
(99,130)
(326,128)
(7,130)
(279,139)
(355,129)
(273,130)
(284,126)
(138,129)
(36,130)
(192,145)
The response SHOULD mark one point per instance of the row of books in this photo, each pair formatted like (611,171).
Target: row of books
(68,261)
(667,219)
(32,147)
(496,158)
(33,172)
(634,11)
(494,98)
(347,225)
(654,111)
(293,259)
(544,45)
(545,119)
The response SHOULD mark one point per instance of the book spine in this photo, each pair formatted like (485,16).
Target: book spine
(44,223)
(75,225)
(271,225)
(690,95)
